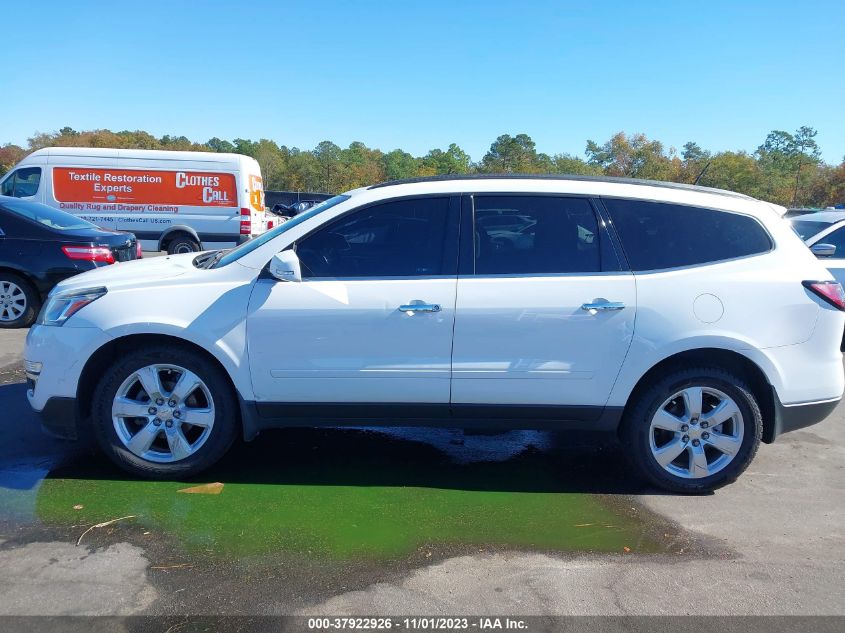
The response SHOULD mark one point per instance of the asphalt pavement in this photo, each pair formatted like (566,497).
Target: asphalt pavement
(403,521)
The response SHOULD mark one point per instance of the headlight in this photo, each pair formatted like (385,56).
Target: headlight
(63,305)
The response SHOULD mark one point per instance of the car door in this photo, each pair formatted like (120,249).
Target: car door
(15,236)
(544,313)
(836,262)
(371,321)
(4,238)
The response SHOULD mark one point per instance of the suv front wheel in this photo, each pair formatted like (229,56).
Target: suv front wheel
(164,413)
(693,430)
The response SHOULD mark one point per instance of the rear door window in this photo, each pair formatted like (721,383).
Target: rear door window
(530,235)
(659,235)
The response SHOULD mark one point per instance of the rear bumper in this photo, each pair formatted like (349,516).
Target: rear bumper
(797,416)
(60,417)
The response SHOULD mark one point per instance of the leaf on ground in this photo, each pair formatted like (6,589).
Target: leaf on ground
(204,489)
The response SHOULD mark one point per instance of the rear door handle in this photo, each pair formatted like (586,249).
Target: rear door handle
(420,307)
(603,306)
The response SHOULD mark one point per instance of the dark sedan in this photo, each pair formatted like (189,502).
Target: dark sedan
(40,246)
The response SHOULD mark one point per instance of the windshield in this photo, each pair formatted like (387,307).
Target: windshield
(48,216)
(236,253)
(808,228)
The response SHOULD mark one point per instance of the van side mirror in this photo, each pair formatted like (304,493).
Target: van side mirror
(823,250)
(285,266)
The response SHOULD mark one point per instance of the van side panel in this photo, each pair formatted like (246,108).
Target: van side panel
(156,194)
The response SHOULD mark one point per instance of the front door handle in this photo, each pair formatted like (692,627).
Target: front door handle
(420,307)
(603,306)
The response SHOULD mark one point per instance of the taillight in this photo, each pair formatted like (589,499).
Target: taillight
(246,222)
(270,224)
(101,254)
(829,291)
(138,253)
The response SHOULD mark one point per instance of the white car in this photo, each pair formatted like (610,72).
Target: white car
(824,233)
(692,321)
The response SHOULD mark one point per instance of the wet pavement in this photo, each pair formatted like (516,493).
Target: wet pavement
(362,495)
(369,520)
(328,510)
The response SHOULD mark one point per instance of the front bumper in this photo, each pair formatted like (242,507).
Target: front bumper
(797,416)
(54,360)
(60,417)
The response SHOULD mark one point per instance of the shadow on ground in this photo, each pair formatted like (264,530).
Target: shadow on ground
(348,493)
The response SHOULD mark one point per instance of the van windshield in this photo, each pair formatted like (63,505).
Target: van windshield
(236,253)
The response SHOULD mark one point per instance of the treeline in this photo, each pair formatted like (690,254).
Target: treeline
(786,168)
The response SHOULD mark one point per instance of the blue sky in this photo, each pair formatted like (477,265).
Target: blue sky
(419,75)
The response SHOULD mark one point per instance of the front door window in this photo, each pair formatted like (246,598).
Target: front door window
(23,183)
(403,238)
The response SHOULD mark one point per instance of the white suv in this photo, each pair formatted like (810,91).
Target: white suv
(692,321)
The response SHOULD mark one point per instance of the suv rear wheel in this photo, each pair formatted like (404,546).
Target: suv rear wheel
(164,412)
(693,430)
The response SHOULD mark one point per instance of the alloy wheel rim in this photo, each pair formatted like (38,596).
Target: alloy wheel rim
(12,301)
(696,432)
(163,413)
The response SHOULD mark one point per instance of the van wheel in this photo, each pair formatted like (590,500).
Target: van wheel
(164,413)
(19,302)
(182,244)
(693,430)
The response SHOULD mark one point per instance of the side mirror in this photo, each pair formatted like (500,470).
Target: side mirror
(285,266)
(823,250)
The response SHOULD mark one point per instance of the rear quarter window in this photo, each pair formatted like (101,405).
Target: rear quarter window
(659,235)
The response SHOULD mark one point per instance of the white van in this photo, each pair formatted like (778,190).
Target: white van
(173,201)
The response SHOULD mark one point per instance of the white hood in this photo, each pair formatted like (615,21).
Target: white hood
(139,271)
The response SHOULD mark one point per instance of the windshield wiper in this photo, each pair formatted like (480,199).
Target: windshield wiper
(203,260)
(218,255)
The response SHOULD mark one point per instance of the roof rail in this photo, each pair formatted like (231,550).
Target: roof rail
(611,179)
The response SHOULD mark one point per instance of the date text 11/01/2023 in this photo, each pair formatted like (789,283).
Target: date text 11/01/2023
(418,623)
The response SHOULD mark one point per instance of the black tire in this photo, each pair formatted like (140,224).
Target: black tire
(223,432)
(635,428)
(33,301)
(182,244)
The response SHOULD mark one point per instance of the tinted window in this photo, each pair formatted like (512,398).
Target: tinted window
(247,247)
(22,183)
(837,239)
(48,216)
(657,235)
(535,235)
(807,228)
(405,238)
